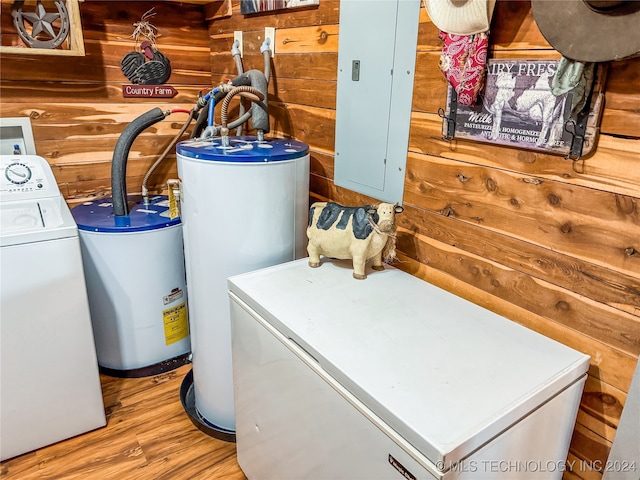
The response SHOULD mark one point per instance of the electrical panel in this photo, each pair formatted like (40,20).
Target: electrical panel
(376,60)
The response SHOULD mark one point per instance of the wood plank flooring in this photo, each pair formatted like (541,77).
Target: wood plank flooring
(148,436)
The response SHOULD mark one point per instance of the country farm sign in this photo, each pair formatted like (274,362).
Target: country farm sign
(148,91)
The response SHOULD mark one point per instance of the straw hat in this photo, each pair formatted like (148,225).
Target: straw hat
(461,17)
(590,30)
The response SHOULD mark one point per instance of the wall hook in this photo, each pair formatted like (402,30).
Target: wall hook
(451,118)
(451,124)
(577,131)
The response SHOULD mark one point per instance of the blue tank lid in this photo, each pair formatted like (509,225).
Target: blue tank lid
(97,216)
(242,150)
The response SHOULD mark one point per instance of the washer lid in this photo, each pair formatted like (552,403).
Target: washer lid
(97,216)
(21,216)
(446,374)
(242,150)
(38,220)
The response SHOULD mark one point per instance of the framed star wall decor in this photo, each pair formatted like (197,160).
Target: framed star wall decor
(44,27)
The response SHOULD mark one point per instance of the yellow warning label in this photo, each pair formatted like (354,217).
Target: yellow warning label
(173,204)
(176,325)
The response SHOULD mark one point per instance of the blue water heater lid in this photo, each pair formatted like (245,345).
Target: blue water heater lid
(242,149)
(97,216)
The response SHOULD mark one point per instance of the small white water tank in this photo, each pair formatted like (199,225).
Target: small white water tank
(244,207)
(136,283)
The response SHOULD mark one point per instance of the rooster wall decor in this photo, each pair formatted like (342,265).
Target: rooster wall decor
(148,66)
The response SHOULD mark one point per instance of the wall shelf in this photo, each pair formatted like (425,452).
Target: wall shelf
(213,9)
(74,42)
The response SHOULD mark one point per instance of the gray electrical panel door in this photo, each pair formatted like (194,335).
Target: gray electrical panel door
(376,60)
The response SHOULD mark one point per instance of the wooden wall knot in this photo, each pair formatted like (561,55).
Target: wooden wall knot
(601,402)
(447,211)
(609,400)
(462,178)
(626,205)
(553,199)
(532,181)
(631,252)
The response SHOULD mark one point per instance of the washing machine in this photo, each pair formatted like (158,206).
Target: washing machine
(49,382)
(392,377)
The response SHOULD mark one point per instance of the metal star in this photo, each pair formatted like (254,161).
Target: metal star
(41,21)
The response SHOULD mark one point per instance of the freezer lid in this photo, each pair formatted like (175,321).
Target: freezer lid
(446,374)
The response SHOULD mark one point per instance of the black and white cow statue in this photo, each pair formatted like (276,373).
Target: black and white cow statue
(358,233)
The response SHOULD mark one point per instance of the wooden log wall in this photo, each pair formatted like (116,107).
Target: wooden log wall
(76,104)
(547,242)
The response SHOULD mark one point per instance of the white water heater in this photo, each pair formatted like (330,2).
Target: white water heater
(244,207)
(134,268)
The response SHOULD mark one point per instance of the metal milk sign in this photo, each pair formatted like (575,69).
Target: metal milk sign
(519,109)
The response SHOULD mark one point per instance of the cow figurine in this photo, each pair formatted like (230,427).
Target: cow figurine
(359,233)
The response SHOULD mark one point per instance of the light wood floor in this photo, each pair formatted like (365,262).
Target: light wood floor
(148,436)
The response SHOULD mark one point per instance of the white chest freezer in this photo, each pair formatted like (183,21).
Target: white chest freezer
(392,377)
